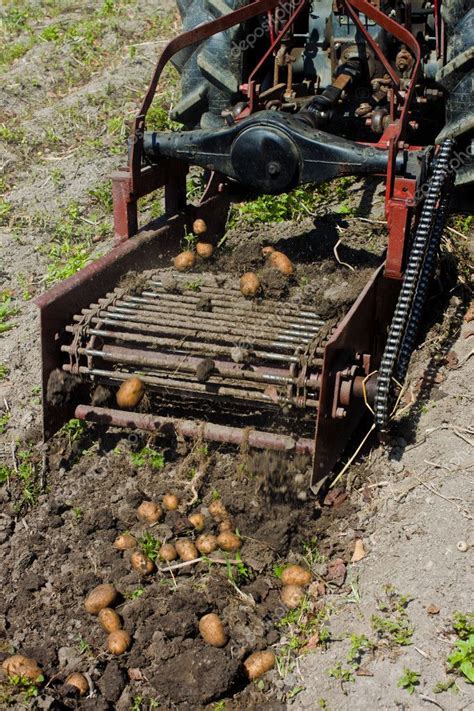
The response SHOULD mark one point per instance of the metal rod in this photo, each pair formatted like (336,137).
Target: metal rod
(287,343)
(189,428)
(189,387)
(188,364)
(182,346)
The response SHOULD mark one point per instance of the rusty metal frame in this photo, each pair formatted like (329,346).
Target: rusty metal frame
(362,331)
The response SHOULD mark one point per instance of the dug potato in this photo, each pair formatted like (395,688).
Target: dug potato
(199,226)
(280,261)
(291,596)
(212,630)
(79,681)
(249,284)
(266,251)
(184,261)
(141,563)
(296,575)
(217,510)
(228,541)
(118,642)
(110,620)
(130,393)
(206,543)
(168,552)
(259,663)
(170,502)
(125,542)
(149,512)
(19,665)
(197,520)
(205,250)
(226,525)
(186,549)
(101,596)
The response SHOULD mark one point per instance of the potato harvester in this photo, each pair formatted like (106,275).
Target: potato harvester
(275,94)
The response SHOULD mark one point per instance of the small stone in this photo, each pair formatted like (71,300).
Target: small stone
(432,609)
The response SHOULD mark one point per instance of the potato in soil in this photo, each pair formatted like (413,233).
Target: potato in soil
(110,620)
(217,510)
(168,552)
(118,642)
(296,575)
(205,250)
(199,226)
(212,630)
(170,502)
(101,596)
(20,666)
(249,284)
(186,549)
(125,542)
(141,563)
(79,681)
(184,261)
(130,393)
(291,596)
(259,663)
(197,520)
(280,261)
(228,541)
(206,543)
(149,512)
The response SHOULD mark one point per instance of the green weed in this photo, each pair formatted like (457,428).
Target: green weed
(311,553)
(443,686)
(4,420)
(7,311)
(4,370)
(74,429)
(147,456)
(5,210)
(27,687)
(340,673)
(461,657)
(149,545)
(409,680)
(135,594)
(359,646)
(394,626)
(238,571)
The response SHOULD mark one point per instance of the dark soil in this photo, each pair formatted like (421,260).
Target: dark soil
(56,553)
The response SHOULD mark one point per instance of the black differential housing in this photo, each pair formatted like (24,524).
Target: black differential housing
(271,152)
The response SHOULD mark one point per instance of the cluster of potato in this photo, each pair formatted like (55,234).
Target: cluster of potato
(294,578)
(149,512)
(250,282)
(99,602)
(18,665)
(187,259)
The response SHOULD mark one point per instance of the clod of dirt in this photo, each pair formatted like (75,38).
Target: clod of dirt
(198,676)
(112,682)
(274,283)
(169,282)
(61,387)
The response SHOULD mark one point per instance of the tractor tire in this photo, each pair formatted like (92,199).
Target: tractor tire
(211,73)
(457,77)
